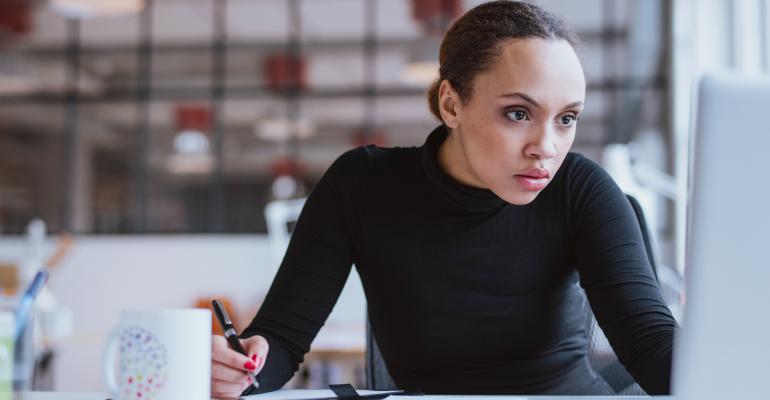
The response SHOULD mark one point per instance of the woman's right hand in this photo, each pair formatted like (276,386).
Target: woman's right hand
(229,369)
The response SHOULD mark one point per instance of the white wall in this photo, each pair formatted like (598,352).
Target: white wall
(104,274)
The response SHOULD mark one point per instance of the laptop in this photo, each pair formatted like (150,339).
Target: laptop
(724,350)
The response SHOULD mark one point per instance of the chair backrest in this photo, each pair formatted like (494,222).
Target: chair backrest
(600,354)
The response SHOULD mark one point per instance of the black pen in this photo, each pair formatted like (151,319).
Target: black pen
(231,335)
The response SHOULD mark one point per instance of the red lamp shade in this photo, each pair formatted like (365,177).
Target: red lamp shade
(286,166)
(282,71)
(377,138)
(193,117)
(435,15)
(15,16)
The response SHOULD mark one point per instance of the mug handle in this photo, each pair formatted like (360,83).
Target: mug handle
(108,361)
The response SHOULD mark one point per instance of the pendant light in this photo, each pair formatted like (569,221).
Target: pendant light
(97,8)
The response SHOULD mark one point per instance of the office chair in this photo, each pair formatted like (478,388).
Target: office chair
(600,354)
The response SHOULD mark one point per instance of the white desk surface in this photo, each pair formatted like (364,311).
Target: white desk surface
(102,396)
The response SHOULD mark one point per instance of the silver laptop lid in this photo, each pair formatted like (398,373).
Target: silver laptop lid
(724,351)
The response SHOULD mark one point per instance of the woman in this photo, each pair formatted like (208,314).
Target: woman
(472,248)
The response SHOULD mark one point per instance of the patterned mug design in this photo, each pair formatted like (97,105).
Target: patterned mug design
(143,364)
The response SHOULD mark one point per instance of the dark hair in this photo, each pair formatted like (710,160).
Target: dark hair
(472,43)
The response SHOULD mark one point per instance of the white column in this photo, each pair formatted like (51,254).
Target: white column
(747,33)
(682,53)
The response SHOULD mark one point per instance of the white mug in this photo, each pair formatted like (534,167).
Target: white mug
(163,355)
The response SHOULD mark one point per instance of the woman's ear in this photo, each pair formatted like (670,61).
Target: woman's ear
(449,104)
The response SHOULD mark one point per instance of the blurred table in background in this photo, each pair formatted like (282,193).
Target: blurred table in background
(336,356)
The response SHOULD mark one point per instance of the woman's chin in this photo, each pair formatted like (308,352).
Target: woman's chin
(516,196)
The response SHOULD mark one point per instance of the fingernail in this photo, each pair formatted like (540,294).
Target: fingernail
(254,357)
(249,365)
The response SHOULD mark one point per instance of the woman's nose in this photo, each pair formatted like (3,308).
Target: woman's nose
(542,145)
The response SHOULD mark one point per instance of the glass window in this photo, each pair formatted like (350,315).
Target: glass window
(33,171)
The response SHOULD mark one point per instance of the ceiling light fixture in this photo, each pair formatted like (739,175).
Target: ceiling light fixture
(97,8)
(282,129)
(422,67)
(193,123)
(434,17)
(191,143)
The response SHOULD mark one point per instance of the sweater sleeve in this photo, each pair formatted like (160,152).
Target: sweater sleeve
(311,276)
(616,275)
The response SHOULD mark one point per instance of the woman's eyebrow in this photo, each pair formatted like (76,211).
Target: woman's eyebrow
(532,101)
(573,104)
(522,96)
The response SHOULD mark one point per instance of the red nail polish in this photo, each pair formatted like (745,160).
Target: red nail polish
(249,365)
(254,358)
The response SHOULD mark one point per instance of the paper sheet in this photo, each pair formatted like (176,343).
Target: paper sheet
(455,397)
(297,394)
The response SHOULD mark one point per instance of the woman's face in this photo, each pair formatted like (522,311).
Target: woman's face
(513,133)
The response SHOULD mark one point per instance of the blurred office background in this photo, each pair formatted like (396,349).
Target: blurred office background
(157,132)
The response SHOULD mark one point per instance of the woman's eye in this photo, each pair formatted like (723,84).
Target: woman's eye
(517,115)
(568,119)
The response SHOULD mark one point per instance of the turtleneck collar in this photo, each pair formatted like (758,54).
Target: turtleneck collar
(467,197)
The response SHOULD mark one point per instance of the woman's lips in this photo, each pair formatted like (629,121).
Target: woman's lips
(533,179)
(531,183)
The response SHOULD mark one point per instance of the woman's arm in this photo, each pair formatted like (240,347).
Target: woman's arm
(313,272)
(616,275)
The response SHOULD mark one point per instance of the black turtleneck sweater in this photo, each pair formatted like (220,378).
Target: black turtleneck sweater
(467,293)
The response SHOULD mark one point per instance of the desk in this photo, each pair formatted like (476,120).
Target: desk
(102,396)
